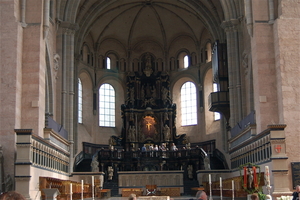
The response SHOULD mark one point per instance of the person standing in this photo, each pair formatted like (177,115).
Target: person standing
(296,193)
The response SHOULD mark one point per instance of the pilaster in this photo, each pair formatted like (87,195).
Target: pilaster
(279,160)
(68,77)
(23,161)
(232,34)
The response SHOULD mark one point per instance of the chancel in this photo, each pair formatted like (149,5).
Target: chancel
(157,98)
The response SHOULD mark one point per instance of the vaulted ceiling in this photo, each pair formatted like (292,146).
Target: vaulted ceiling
(132,21)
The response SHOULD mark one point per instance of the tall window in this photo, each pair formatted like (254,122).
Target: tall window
(217,115)
(108,65)
(79,101)
(186,61)
(106,105)
(188,104)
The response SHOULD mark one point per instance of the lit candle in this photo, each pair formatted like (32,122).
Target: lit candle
(209,178)
(220,181)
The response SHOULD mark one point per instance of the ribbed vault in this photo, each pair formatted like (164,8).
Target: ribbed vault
(160,21)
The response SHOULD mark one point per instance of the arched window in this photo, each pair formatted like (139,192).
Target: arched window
(108,63)
(79,101)
(183,60)
(107,105)
(188,104)
(186,61)
(217,115)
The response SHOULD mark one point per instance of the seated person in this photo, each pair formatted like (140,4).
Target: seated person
(201,195)
(132,197)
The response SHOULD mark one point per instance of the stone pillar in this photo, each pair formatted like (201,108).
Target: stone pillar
(51,193)
(263,66)
(68,74)
(279,161)
(286,30)
(33,71)
(231,28)
(23,161)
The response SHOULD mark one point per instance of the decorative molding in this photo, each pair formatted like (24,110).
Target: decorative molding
(276,126)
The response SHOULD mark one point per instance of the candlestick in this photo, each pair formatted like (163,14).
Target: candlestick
(210,195)
(71,191)
(232,189)
(93,193)
(221,196)
(81,189)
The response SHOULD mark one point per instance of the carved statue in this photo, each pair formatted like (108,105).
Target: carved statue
(167,132)
(148,68)
(110,173)
(132,133)
(206,163)
(165,95)
(190,171)
(56,59)
(131,95)
(95,164)
(250,177)
(166,116)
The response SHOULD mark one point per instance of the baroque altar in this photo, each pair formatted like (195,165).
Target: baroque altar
(149,114)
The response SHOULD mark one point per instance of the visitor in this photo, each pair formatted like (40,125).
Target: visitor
(144,149)
(11,195)
(132,197)
(296,193)
(201,195)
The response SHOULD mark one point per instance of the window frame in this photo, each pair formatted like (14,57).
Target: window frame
(188,99)
(80,110)
(107,113)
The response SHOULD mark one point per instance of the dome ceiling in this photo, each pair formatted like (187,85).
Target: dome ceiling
(162,22)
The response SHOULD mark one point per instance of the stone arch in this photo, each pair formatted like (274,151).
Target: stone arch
(180,58)
(114,59)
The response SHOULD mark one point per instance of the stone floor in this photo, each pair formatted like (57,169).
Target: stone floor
(182,198)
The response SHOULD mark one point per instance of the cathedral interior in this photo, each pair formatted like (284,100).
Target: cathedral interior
(178,95)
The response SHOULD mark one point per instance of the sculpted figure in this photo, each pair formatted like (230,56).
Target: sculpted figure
(95,164)
(167,132)
(110,173)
